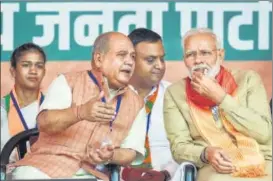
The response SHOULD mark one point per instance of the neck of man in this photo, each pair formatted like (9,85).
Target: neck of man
(142,88)
(25,96)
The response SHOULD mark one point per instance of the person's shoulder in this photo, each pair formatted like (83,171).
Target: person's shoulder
(75,74)
(164,83)
(75,77)
(134,94)
(245,75)
(178,85)
(132,91)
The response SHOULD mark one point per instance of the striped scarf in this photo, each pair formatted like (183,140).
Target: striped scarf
(147,163)
(15,123)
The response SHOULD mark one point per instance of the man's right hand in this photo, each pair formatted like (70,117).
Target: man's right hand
(96,111)
(219,160)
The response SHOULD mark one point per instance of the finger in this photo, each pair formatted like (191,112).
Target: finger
(95,157)
(107,148)
(104,155)
(196,87)
(198,75)
(222,169)
(225,156)
(98,104)
(106,111)
(104,116)
(109,106)
(196,80)
(224,163)
(110,147)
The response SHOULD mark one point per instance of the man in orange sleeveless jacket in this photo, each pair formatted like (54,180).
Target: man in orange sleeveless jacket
(84,124)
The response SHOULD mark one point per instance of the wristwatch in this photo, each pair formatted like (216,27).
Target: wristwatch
(166,174)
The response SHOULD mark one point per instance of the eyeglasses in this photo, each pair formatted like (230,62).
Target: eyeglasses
(202,53)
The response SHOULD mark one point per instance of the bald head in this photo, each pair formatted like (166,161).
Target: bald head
(102,42)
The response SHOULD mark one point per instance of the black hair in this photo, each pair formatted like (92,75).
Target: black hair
(144,35)
(26,47)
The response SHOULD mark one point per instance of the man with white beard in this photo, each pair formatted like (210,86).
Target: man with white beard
(216,118)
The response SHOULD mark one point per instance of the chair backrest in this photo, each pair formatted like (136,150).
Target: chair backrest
(18,141)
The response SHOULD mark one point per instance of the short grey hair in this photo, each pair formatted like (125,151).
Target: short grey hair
(196,31)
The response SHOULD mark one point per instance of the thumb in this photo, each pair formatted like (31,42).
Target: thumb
(101,95)
(110,147)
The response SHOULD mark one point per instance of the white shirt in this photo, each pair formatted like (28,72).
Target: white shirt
(29,113)
(159,145)
(59,96)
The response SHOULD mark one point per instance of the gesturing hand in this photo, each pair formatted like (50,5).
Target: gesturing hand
(102,155)
(96,111)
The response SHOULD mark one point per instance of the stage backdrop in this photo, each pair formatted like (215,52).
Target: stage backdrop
(67,30)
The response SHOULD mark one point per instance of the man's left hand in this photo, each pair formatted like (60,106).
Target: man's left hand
(207,87)
(102,155)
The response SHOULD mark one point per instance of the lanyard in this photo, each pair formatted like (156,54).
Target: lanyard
(150,103)
(148,122)
(119,97)
(19,111)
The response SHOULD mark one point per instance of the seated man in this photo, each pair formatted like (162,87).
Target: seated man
(147,80)
(216,118)
(84,124)
(20,107)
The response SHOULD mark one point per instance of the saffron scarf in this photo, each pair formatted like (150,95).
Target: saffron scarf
(147,163)
(245,153)
(16,120)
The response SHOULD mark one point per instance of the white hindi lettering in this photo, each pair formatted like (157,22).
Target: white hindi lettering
(105,19)
(7,36)
(233,28)
(264,9)
(139,18)
(48,21)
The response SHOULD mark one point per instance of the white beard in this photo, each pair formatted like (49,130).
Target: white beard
(210,72)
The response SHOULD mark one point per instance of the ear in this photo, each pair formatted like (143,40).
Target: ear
(12,72)
(97,60)
(221,55)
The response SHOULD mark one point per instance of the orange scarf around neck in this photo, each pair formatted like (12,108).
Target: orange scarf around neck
(14,121)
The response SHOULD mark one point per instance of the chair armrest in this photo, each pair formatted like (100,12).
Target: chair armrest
(114,172)
(18,141)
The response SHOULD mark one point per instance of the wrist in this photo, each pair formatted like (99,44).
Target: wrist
(77,112)
(203,156)
(220,97)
